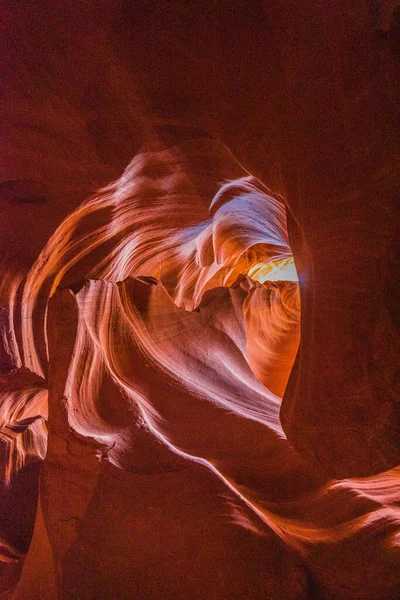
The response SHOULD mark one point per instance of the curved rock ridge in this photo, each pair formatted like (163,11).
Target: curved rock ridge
(23,417)
(142,225)
(174,394)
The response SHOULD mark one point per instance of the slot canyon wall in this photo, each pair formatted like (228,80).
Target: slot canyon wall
(199,371)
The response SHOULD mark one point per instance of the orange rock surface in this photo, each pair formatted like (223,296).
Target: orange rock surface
(198,300)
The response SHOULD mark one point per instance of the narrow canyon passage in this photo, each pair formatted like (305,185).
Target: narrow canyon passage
(199,341)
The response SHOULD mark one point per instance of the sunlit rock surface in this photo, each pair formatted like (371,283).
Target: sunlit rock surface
(198,300)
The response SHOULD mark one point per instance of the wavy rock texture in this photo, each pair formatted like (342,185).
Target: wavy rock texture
(199,362)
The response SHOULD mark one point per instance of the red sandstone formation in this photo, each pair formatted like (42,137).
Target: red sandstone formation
(198,319)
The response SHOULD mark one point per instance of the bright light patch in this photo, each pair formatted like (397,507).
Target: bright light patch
(278,270)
